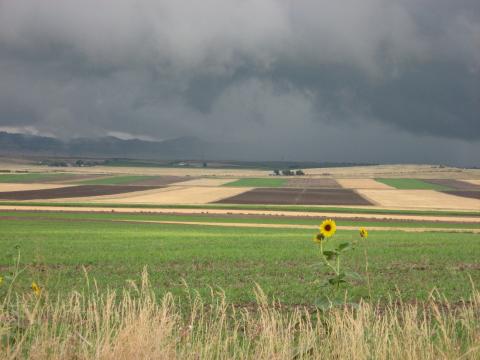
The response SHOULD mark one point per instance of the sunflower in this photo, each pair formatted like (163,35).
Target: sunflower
(317,239)
(36,289)
(328,228)
(363,233)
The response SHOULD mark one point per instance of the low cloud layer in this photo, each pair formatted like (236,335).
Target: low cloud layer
(357,80)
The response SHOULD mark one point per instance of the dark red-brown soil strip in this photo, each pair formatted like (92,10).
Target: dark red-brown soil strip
(286,196)
(161,180)
(73,192)
(464,193)
(314,183)
(365,221)
(454,184)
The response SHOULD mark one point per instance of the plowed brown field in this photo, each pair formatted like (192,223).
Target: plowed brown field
(465,193)
(454,184)
(71,192)
(286,196)
(313,183)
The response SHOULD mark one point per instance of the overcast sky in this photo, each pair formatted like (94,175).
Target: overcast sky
(349,80)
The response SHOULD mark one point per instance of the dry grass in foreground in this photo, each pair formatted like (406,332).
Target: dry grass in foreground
(136,325)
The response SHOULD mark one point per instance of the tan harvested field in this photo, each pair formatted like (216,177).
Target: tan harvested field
(204,185)
(397,171)
(424,199)
(171,195)
(363,184)
(7,187)
(204,182)
(149,171)
(356,172)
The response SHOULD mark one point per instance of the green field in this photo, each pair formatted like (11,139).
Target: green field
(115,180)
(257,182)
(280,220)
(31,177)
(412,184)
(55,248)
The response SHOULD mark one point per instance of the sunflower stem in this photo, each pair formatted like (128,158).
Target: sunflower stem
(325,261)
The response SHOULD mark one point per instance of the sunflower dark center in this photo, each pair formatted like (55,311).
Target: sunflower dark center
(328,227)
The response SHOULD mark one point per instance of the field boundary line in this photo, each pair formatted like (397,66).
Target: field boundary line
(293,226)
(207,210)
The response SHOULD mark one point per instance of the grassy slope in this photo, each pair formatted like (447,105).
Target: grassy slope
(115,180)
(412,184)
(257,182)
(280,260)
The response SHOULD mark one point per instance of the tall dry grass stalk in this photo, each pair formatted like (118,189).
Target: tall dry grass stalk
(136,325)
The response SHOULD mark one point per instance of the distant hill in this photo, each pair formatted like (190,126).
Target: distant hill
(136,152)
(183,147)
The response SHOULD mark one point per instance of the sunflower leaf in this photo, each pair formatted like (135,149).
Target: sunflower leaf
(338,279)
(344,246)
(330,254)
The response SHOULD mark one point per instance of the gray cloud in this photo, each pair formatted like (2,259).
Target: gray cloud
(285,77)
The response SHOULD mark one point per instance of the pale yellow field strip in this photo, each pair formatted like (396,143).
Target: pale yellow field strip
(397,171)
(357,172)
(319,215)
(425,199)
(363,184)
(313,227)
(474,182)
(148,171)
(204,182)
(8,187)
(173,195)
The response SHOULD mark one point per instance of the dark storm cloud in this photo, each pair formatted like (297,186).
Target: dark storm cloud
(283,76)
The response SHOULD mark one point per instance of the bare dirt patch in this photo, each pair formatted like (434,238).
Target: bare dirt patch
(454,184)
(313,183)
(160,180)
(175,195)
(424,199)
(286,196)
(363,184)
(71,192)
(465,193)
